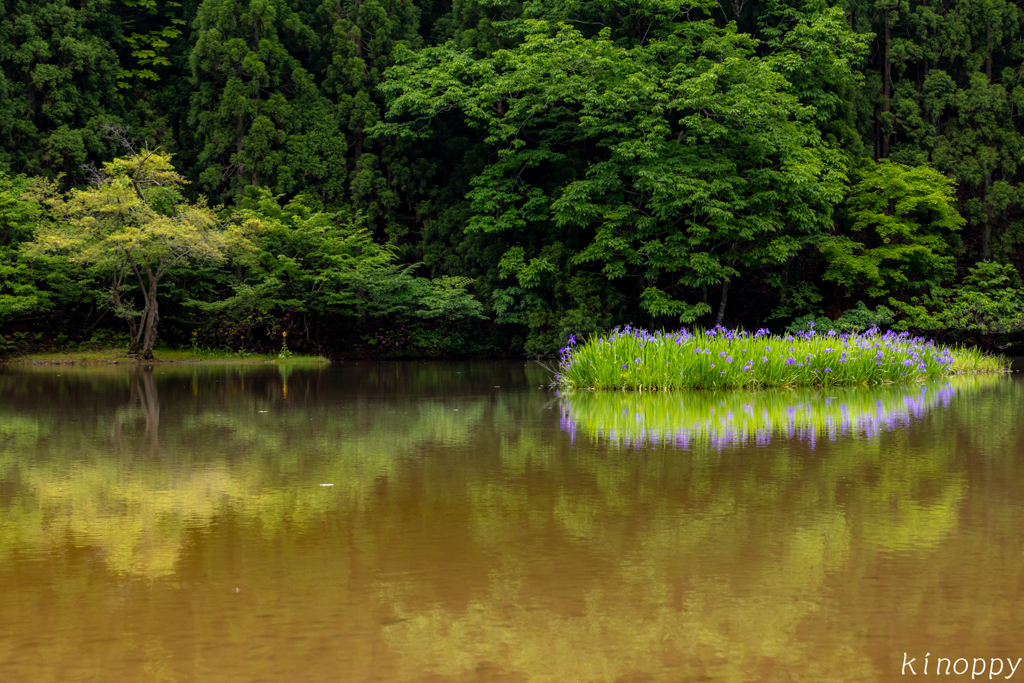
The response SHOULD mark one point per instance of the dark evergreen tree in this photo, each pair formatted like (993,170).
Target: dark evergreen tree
(358,40)
(258,115)
(58,83)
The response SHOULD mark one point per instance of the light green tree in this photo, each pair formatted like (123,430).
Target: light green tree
(18,292)
(902,220)
(132,222)
(309,265)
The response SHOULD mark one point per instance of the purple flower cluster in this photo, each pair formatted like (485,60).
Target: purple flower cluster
(655,360)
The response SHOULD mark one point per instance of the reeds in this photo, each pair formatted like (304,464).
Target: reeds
(719,358)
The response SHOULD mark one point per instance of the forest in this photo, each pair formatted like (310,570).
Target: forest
(435,178)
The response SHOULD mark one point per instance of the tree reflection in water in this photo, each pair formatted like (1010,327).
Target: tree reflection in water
(772,536)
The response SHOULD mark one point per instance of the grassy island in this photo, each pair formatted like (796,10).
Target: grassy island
(720,358)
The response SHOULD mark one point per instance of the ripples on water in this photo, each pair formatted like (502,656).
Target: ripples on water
(175,524)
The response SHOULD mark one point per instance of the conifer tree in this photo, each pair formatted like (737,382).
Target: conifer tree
(954,106)
(359,37)
(57,83)
(258,115)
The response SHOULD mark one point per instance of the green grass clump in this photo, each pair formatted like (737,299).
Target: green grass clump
(721,358)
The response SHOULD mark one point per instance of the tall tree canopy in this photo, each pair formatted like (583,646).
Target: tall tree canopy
(673,152)
(58,73)
(568,165)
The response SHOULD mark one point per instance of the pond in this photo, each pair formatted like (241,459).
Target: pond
(463,522)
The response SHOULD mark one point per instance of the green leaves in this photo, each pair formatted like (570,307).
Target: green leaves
(448,299)
(254,103)
(988,303)
(585,164)
(902,220)
(327,264)
(20,288)
(700,158)
(150,49)
(133,225)
(660,304)
(57,83)
(529,273)
(134,217)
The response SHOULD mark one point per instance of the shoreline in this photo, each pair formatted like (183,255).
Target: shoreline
(163,357)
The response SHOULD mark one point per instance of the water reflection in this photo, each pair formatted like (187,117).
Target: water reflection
(171,524)
(100,471)
(721,419)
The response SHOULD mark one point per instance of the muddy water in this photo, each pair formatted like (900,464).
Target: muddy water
(456,522)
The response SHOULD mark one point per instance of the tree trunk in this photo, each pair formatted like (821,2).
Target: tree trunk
(150,318)
(150,337)
(356,24)
(988,43)
(986,230)
(721,304)
(925,71)
(133,344)
(138,342)
(886,82)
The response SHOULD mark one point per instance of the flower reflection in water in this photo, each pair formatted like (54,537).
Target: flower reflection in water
(727,419)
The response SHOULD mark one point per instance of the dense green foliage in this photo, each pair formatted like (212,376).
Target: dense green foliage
(467,177)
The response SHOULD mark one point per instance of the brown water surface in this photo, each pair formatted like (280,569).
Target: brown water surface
(456,522)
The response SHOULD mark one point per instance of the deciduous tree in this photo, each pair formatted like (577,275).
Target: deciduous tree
(132,223)
(683,155)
